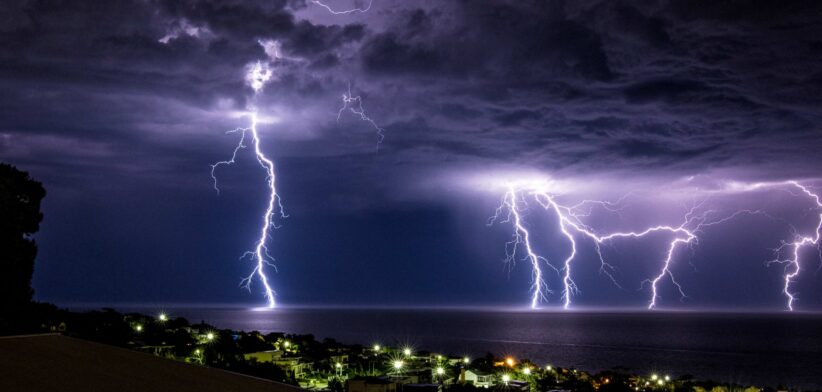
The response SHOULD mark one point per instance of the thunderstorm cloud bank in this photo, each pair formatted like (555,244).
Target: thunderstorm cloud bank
(119,107)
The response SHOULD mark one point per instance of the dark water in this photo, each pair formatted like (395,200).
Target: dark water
(759,349)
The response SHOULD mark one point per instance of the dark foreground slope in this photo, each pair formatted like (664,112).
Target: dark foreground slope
(60,363)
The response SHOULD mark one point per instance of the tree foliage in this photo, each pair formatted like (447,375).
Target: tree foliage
(20,218)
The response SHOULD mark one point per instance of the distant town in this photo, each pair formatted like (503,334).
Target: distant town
(328,365)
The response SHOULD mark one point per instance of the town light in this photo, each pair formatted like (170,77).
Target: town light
(440,371)
(138,328)
(162,317)
(654,377)
(197,351)
(398,364)
(406,351)
(660,382)
(509,361)
(548,368)
(526,371)
(377,347)
(210,336)
(439,357)
(286,343)
(506,378)
(466,360)
(338,365)
(667,378)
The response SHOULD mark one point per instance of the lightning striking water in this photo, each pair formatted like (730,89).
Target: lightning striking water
(354,104)
(344,12)
(257,76)
(521,237)
(571,226)
(792,266)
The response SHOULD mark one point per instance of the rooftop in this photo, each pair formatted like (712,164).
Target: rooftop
(56,362)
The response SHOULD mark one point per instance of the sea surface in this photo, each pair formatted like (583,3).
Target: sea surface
(745,348)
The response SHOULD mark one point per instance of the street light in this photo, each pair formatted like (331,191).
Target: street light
(210,336)
(398,364)
(509,361)
(660,382)
(162,317)
(548,368)
(667,378)
(526,371)
(406,351)
(506,378)
(466,360)
(138,328)
(377,348)
(440,371)
(654,377)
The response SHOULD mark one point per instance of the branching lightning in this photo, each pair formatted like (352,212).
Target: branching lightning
(354,104)
(257,76)
(344,12)
(512,212)
(571,225)
(792,265)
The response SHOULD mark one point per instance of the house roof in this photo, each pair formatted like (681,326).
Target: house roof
(60,363)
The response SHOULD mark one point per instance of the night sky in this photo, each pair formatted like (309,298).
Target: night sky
(119,108)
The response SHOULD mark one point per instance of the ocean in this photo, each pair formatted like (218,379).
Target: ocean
(744,348)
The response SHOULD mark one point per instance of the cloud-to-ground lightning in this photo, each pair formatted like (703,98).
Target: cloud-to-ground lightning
(354,104)
(362,9)
(257,76)
(571,225)
(522,237)
(792,265)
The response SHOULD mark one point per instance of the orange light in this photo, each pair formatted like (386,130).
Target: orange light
(510,361)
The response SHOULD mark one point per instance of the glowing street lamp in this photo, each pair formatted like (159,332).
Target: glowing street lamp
(548,368)
(506,378)
(210,336)
(660,382)
(377,348)
(667,378)
(398,364)
(654,377)
(509,361)
(162,317)
(466,360)
(526,371)
(440,371)
(138,328)
(406,351)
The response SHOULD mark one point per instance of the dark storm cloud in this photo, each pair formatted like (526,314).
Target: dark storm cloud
(131,99)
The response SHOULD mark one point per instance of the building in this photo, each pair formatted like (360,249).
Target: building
(478,378)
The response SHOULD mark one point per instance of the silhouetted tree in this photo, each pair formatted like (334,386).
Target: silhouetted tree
(20,218)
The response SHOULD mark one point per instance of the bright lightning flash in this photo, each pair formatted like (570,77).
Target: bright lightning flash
(571,226)
(792,266)
(258,74)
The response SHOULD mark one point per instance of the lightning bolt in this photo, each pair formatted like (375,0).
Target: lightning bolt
(354,104)
(521,238)
(571,226)
(344,12)
(257,76)
(792,266)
